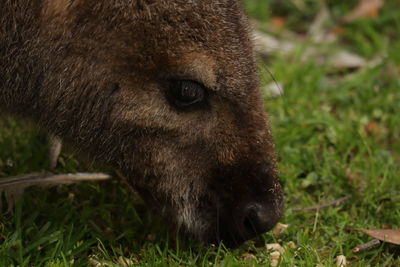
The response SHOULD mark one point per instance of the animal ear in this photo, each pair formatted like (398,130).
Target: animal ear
(57,8)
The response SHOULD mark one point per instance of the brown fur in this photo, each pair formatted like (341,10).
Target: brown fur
(94,72)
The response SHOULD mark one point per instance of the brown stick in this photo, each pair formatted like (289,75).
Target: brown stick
(13,187)
(329,204)
(49,178)
(367,246)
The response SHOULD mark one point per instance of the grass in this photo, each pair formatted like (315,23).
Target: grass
(337,134)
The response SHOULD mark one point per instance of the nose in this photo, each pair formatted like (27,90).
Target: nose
(257,219)
(259,216)
(258,208)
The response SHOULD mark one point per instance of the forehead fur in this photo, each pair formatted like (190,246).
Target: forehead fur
(57,8)
(193,66)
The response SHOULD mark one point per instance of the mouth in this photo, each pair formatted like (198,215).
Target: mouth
(246,222)
(247,204)
(240,218)
(230,211)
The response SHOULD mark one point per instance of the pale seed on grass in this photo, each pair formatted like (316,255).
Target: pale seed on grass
(341,261)
(95,263)
(124,262)
(274,258)
(275,247)
(279,229)
(292,245)
(151,237)
(248,256)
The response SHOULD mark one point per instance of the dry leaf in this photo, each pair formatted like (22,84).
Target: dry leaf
(386,235)
(278,22)
(338,30)
(364,9)
(372,128)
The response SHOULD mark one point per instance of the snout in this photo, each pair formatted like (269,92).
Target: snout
(250,220)
(256,219)
(255,205)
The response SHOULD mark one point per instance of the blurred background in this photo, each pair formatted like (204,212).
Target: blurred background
(330,72)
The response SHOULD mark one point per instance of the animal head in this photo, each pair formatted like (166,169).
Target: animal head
(167,92)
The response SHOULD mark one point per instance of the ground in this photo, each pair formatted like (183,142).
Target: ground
(337,133)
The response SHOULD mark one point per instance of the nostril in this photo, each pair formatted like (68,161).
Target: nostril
(256,219)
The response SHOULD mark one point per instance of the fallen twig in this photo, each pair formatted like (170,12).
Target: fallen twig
(365,8)
(329,204)
(13,187)
(367,246)
(49,179)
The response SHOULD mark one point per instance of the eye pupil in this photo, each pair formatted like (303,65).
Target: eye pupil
(189,91)
(185,93)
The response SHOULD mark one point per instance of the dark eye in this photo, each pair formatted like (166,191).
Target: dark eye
(185,93)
